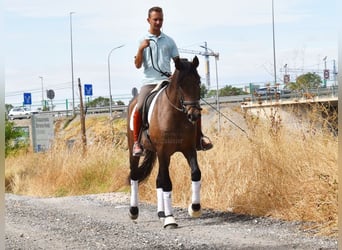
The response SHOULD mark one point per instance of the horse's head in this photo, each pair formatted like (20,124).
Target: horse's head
(189,84)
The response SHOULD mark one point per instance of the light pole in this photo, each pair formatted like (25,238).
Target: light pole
(109,81)
(274,53)
(72,66)
(216,55)
(43,101)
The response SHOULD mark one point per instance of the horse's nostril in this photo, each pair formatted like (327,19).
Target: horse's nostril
(192,117)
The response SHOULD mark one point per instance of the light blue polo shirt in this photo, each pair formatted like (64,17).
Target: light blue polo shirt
(164,49)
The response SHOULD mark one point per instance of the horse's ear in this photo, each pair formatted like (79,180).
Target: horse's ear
(195,62)
(177,62)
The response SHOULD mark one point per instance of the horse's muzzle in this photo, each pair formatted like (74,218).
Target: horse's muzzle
(193,114)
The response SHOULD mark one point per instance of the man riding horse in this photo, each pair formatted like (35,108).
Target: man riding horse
(156,62)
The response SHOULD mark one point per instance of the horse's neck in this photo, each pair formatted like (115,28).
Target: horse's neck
(172,90)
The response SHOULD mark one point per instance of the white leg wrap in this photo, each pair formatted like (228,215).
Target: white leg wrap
(167,203)
(196,187)
(160,200)
(134,193)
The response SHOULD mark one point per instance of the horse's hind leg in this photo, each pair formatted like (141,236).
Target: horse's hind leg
(133,209)
(194,208)
(164,193)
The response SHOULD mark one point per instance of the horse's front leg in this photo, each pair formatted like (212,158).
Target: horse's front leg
(194,208)
(164,192)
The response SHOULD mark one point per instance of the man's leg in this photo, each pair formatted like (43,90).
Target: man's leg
(137,148)
(137,118)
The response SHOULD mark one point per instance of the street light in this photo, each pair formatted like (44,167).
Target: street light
(274,53)
(109,82)
(72,66)
(216,55)
(43,102)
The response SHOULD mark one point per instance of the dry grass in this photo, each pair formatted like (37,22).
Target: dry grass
(66,170)
(284,173)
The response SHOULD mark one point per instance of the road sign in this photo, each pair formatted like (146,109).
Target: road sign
(326,74)
(42,132)
(88,89)
(286,78)
(50,94)
(27,99)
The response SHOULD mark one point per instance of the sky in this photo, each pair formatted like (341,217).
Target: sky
(38,43)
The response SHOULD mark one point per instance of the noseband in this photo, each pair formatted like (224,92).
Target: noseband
(185,105)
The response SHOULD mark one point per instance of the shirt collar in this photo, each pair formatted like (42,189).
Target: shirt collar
(154,36)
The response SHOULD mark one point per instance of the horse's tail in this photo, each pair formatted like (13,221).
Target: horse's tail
(145,169)
(147,164)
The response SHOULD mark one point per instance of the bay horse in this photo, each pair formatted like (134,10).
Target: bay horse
(171,128)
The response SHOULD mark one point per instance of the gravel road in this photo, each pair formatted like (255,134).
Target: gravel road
(101,222)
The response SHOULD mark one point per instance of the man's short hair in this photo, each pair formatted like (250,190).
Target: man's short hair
(156,9)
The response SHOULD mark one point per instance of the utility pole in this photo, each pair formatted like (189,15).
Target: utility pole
(72,66)
(82,118)
(325,72)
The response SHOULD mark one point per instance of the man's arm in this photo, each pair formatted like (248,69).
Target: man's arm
(138,59)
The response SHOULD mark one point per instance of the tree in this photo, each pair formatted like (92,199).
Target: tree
(99,102)
(12,135)
(308,81)
(292,86)
(228,90)
(120,103)
(204,91)
(8,107)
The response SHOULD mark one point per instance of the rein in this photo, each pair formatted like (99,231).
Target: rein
(167,74)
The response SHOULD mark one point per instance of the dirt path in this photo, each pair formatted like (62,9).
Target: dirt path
(102,222)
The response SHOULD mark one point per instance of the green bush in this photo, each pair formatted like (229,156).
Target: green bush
(13,139)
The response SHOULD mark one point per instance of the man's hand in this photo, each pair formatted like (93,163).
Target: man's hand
(144,44)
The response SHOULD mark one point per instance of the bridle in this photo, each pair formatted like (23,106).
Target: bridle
(185,105)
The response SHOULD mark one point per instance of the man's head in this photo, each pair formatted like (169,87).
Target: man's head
(155,19)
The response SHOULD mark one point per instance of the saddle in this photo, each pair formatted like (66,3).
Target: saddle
(147,103)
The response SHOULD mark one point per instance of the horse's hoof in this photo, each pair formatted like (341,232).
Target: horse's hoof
(161,216)
(133,213)
(170,222)
(195,210)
